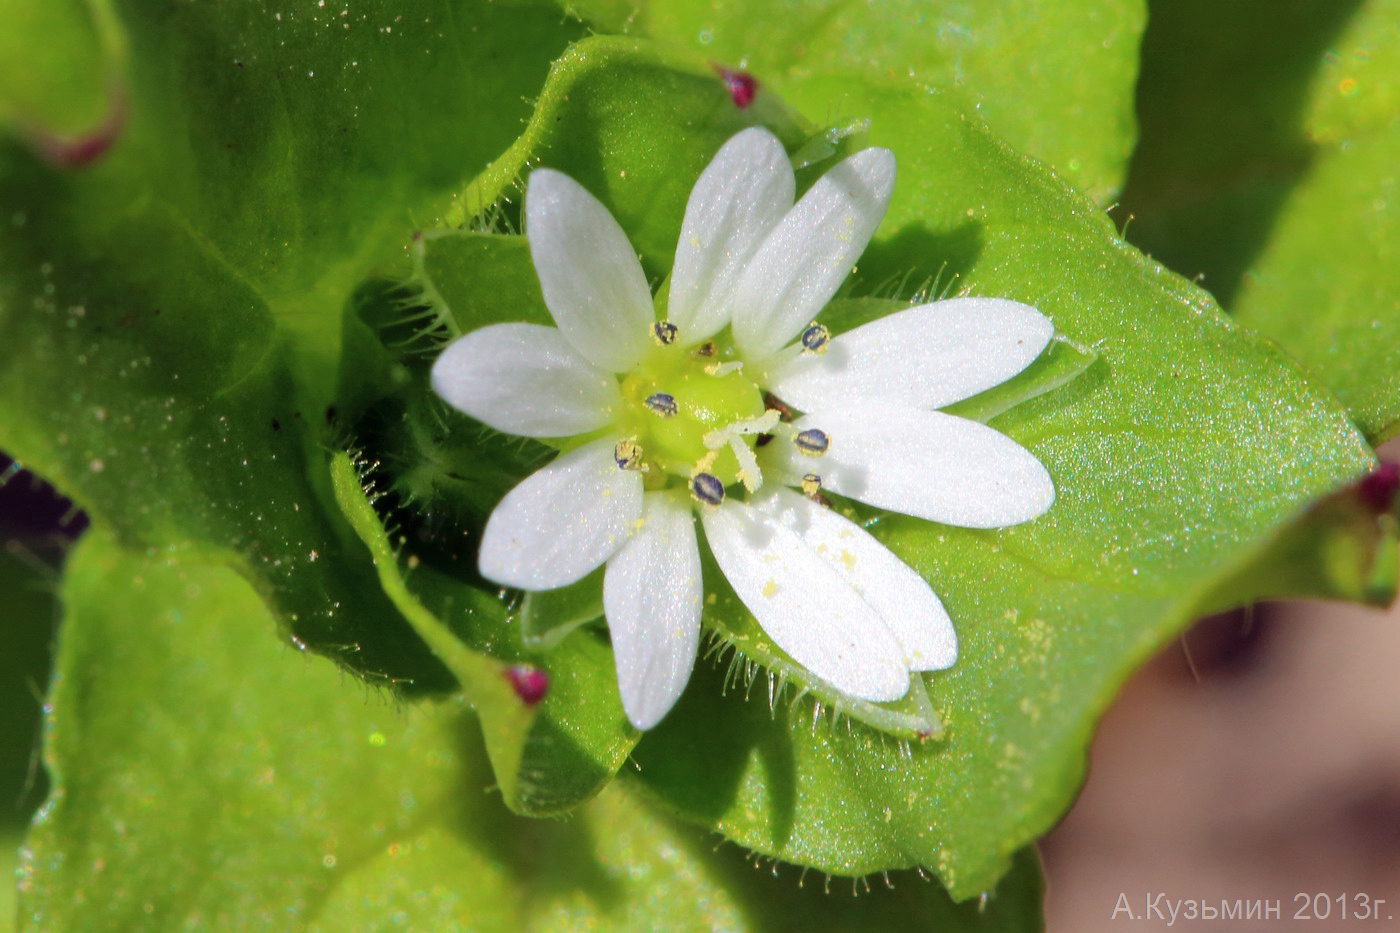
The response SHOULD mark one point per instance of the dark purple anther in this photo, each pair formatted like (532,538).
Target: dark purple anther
(529,683)
(740,85)
(1377,489)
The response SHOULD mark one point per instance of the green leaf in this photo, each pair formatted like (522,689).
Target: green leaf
(1266,164)
(182,427)
(1055,80)
(171,313)
(1166,459)
(207,777)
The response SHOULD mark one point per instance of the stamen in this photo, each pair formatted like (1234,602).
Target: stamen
(811,485)
(707,489)
(662,404)
(749,474)
(706,349)
(706,463)
(815,339)
(813,442)
(714,440)
(628,455)
(664,333)
(760,425)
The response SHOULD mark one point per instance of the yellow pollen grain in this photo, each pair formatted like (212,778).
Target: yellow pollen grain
(770,589)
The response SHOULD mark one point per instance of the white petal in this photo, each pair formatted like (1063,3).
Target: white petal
(927,357)
(525,379)
(909,608)
(593,284)
(809,254)
(923,463)
(744,192)
(810,611)
(562,521)
(651,596)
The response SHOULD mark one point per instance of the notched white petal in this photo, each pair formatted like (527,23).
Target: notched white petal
(810,252)
(926,357)
(651,596)
(743,193)
(592,282)
(562,521)
(808,609)
(525,379)
(926,464)
(908,606)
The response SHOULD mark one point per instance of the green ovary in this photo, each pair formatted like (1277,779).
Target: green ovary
(704,402)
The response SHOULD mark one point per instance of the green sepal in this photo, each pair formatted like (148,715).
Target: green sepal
(547,617)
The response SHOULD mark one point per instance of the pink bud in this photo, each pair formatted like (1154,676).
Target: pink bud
(529,683)
(82,151)
(1377,489)
(740,84)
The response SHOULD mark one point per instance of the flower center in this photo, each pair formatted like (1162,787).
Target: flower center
(688,411)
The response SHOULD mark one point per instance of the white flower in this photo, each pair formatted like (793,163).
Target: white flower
(661,420)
